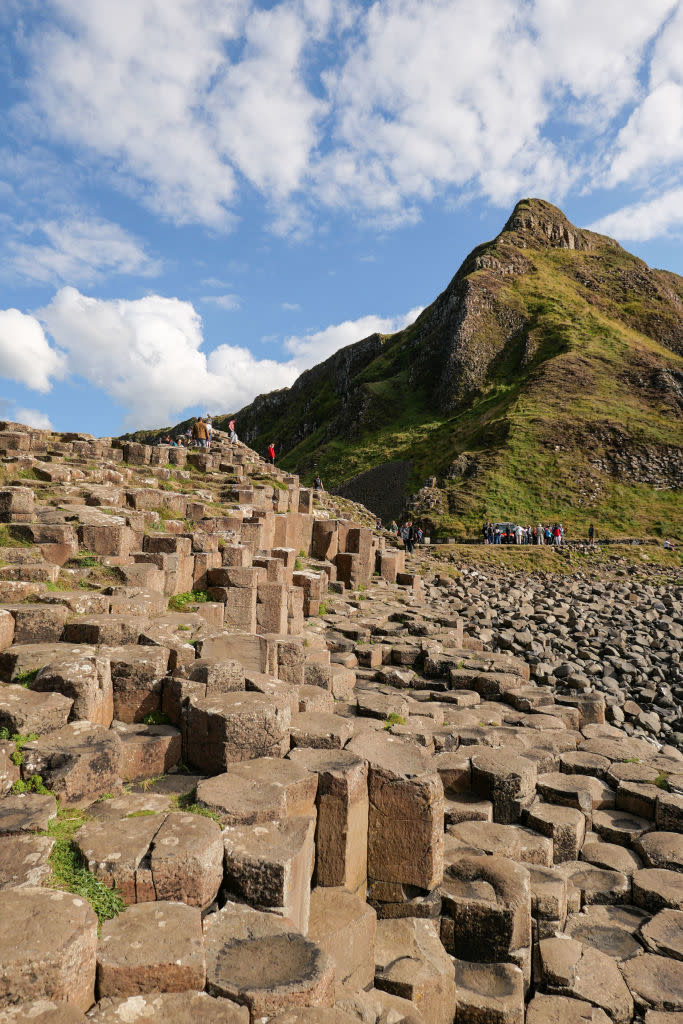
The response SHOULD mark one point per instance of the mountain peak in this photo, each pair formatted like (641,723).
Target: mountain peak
(536,222)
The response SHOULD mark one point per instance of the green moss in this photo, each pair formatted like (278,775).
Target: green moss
(19,740)
(34,784)
(179,602)
(394,719)
(662,782)
(26,678)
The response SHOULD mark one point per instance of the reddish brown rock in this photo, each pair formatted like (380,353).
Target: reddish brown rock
(85,677)
(236,727)
(168,1008)
(270,866)
(78,763)
(341,838)
(23,711)
(24,860)
(261,961)
(152,947)
(53,954)
(344,926)
(187,860)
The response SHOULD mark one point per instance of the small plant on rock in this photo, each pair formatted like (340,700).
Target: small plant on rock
(394,719)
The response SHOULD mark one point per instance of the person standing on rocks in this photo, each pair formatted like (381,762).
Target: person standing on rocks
(209,430)
(591,535)
(231,428)
(201,433)
(318,486)
(271,453)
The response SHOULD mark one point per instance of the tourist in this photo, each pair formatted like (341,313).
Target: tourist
(410,537)
(200,433)
(419,535)
(393,528)
(318,486)
(209,430)
(591,535)
(231,428)
(271,453)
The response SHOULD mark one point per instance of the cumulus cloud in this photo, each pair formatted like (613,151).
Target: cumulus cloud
(147,354)
(642,221)
(33,418)
(373,108)
(26,355)
(80,250)
(309,349)
(652,138)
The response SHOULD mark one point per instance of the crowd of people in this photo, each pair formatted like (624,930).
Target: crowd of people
(508,533)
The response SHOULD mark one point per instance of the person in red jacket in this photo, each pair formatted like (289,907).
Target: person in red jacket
(271,453)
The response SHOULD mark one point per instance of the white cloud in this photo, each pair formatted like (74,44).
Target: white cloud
(229,302)
(652,138)
(33,418)
(146,355)
(641,221)
(80,250)
(291,307)
(374,108)
(25,353)
(309,349)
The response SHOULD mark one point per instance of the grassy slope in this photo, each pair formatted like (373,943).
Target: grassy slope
(532,427)
(514,424)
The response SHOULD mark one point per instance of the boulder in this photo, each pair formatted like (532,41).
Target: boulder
(23,711)
(270,866)
(152,947)
(50,953)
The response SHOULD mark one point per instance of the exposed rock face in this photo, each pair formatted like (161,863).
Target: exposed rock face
(384,794)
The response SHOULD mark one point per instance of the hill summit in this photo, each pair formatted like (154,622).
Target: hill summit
(545,381)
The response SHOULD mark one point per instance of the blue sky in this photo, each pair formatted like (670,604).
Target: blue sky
(201,198)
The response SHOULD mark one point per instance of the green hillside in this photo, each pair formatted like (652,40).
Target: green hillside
(545,382)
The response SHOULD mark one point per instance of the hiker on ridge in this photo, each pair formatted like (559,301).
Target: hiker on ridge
(318,484)
(271,453)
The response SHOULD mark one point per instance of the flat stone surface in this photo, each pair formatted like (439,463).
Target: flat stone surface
(610,939)
(583,972)
(663,934)
(24,860)
(53,954)
(506,840)
(657,888)
(656,982)
(78,763)
(260,961)
(26,812)
(151,947)
(661,850)
(23,711)
(619,826)
(610,856)
(488,993)
(544,1009)
(42,1011)
(169,1008)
